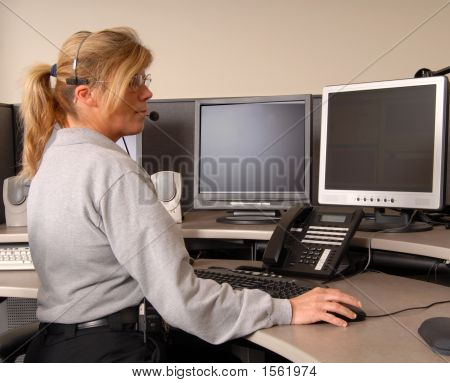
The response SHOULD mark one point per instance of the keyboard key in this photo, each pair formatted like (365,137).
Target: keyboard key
(275,285)
(17,257)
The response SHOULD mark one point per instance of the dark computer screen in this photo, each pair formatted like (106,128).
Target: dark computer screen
(254,149)
(381,139)
(253,143)
(167,142)
(7,168)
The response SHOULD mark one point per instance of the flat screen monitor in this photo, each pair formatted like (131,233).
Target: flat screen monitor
(252,154)
(383,144)
(7,168)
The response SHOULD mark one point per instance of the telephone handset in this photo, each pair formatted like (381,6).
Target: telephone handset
(311,241)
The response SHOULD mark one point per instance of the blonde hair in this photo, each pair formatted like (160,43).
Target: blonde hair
(108,58)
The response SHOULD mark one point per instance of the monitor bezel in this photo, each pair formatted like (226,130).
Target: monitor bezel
(253,200)
(433,200)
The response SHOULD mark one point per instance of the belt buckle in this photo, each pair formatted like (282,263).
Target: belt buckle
(91,324)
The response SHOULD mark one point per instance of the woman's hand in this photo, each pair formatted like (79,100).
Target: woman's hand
(319,304)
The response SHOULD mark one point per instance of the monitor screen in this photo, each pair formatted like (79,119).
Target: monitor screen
(7,168)
(252,152)
(383,144)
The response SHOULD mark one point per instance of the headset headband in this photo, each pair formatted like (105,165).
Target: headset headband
(75,80)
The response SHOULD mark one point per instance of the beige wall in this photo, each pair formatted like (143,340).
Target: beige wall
(207,48)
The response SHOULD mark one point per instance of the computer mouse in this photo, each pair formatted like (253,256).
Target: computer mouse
(360,314)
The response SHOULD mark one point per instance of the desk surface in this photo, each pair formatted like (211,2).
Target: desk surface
(434,243)
(19,284)
(388,339)
(203,225)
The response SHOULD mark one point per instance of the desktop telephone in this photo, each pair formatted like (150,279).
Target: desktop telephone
(310,241)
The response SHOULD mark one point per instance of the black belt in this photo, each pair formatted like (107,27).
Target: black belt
(124,319)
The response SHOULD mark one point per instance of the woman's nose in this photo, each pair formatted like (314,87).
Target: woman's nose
(146,94)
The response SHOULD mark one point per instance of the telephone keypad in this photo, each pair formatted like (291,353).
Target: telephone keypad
(316,247)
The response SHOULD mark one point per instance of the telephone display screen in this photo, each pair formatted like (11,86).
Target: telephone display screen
(332,218)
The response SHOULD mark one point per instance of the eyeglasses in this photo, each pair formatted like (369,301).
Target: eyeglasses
(140,79)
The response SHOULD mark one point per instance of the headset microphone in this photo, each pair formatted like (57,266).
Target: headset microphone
(154,116)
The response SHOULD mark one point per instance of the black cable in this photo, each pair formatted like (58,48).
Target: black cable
(340,276)
(431,217)
(408,309)
(126,146)
(437,218)
(401,229)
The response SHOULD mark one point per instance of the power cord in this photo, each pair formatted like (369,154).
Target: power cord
(434,266)
(369,256)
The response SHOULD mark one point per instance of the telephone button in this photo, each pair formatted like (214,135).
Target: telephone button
(321,242)
(322,259)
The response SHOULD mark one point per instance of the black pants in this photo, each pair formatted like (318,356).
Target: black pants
(101,344)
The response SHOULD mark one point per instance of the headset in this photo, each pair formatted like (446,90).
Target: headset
(75,80)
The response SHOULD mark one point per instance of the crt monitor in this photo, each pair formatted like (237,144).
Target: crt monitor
(252,155)
(383,146)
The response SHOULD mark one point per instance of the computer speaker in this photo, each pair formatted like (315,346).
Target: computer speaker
(15,193)
(168,189)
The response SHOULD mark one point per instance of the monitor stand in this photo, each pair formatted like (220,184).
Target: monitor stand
(402,223)
(252,217)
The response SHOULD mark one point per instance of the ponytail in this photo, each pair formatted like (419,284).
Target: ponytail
(38,113)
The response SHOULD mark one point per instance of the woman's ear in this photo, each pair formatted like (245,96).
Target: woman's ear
(85,95)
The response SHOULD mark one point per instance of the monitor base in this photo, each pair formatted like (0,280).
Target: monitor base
(250,218)
(402,223)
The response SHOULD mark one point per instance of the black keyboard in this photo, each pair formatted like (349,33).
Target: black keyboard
(275,285)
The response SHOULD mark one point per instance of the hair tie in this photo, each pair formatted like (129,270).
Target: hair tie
(53,70)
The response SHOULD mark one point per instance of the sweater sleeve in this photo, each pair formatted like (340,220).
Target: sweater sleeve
(149,244)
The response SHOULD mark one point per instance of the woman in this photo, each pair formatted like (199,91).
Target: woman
(100,239)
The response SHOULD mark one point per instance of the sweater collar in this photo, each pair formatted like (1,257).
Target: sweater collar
(74,136)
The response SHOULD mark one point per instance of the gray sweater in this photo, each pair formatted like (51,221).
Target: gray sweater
(101,241)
